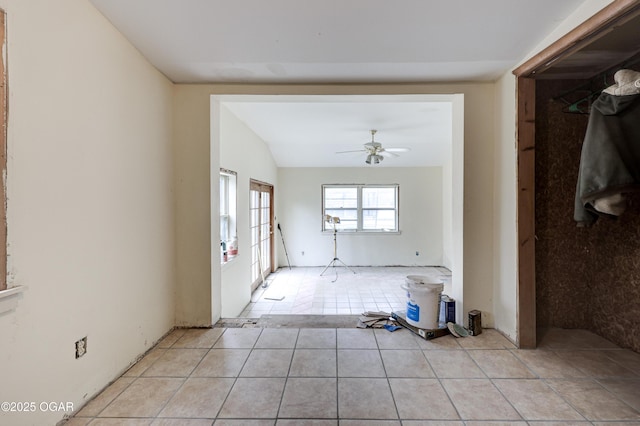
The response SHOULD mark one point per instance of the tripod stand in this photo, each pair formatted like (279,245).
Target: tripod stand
(336,259)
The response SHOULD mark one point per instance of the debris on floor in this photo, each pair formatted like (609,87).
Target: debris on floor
(457,330)
(276,298)
(426,334)
(235,323)
(379,319)
(306,321)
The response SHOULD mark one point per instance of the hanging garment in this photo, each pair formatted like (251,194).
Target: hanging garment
(610,158)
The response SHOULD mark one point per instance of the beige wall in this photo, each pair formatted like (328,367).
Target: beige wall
(192,139)
(90,205)
(94,136)
(505,182)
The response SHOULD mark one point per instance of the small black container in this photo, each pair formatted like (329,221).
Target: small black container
(475,322)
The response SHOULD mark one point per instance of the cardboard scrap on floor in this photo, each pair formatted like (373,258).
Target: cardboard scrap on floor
(276,298)
(378,319)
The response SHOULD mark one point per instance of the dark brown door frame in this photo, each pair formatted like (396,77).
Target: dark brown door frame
(3,154)
(526,74)
(256,185)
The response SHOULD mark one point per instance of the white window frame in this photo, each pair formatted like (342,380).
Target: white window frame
(228,211)
(328,227)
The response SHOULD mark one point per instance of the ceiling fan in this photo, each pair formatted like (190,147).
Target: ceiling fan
(375,151)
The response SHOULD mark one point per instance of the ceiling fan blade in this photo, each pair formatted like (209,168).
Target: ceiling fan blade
(387,153)
(346,152)
(397,149)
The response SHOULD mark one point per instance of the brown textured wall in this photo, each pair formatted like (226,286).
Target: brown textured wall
(586,278)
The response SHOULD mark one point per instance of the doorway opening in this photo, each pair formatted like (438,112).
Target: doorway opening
(298,208)
(604,43)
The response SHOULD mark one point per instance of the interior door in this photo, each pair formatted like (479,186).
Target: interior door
(261,223)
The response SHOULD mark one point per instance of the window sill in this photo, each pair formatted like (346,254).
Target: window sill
(330,232)
(229,261)
(9,298)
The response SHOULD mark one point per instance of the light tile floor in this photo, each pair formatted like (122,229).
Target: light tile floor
(305,291)
(347,377)
(329,376)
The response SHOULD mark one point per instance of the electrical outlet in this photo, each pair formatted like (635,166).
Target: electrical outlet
(81,347)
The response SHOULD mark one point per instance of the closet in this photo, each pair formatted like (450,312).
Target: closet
(569,276)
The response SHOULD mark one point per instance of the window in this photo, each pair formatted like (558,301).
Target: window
(228,239)
(361,208)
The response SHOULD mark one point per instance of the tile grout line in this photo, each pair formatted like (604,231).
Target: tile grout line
(235,379)
(488,377)
(444,389)
(186,378)
(395,405)
(544,380)
(286,379)
(135,378)
(200,362)
(531,370)
(337,382)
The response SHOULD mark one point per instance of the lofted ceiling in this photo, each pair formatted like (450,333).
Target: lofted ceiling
(337,41)
(308,131)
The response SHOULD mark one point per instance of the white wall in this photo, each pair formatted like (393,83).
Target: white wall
(505,179)
(420,209)
(242,151)
(90,205)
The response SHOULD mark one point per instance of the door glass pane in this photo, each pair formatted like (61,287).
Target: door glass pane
(265,230)
(260,222)
(254,223)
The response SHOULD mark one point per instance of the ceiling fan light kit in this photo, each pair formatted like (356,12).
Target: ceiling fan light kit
(373,159)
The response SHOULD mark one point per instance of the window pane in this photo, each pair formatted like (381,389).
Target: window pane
(379,197)
(335,198)
(379,219)
(228,205)
(224,196)
(224,228)
(348,219)
(362,207)
(343,214)
(346,225)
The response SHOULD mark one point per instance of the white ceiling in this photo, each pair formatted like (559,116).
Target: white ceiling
(336,41)
(307,131)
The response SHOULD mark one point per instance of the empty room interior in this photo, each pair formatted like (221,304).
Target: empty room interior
(203,200)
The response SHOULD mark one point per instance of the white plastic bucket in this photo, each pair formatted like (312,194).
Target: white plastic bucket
(423,301)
